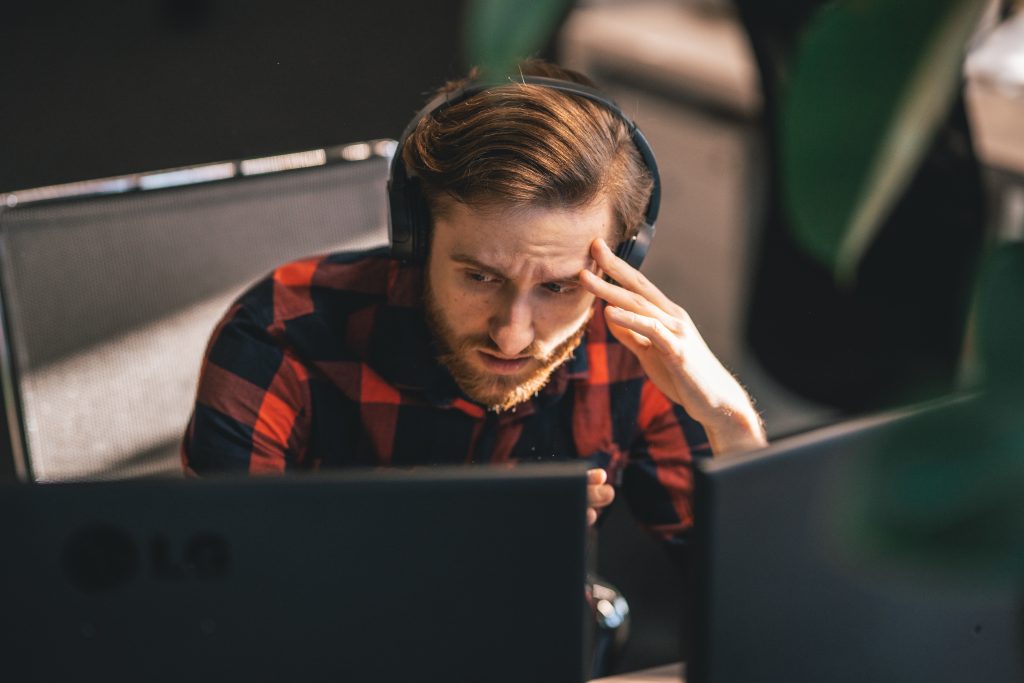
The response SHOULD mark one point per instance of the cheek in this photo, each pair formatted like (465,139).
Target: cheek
(556,321)
(466,310)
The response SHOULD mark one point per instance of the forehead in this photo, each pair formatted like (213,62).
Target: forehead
(513,237)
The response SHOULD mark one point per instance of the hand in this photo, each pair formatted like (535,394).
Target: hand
(673,354)
(600,493)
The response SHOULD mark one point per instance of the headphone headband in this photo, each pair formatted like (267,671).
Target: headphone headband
(409,217)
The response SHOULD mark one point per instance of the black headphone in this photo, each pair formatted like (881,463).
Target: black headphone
(409,218)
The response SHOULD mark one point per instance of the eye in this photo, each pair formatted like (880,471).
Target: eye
(482,278)
(560,287)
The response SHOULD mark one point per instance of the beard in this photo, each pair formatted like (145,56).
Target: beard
(497,393)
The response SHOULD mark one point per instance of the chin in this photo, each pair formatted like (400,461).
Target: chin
(500,395)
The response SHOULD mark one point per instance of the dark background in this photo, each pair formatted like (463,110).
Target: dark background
(93,90)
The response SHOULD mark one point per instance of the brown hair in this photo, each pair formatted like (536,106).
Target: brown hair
(524,144)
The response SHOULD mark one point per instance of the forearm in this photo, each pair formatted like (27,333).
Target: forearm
(734,430)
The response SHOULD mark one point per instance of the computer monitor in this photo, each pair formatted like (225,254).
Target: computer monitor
(782,596)
(456,574)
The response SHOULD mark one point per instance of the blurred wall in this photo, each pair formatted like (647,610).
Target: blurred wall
(106,88)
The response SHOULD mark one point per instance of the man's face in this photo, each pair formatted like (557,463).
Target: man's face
(503,297)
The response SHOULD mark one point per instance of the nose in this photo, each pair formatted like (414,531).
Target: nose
(511,327)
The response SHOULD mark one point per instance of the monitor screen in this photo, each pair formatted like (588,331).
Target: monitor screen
(783,595)
(427,574)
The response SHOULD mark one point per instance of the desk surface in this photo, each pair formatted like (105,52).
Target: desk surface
(670,673)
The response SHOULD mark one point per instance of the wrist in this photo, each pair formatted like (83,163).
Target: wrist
(733,431)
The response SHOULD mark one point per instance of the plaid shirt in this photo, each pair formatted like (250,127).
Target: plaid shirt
(329,362)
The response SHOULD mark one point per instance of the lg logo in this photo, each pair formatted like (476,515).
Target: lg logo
(100,558)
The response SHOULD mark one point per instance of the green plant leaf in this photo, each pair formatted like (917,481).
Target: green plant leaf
(498,33)
(871,82)
(1000,324)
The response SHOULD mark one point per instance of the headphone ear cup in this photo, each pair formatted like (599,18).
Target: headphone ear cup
(400,236)
(633,251)
(419,221)
(408,220)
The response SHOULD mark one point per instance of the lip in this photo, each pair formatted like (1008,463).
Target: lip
(503,366)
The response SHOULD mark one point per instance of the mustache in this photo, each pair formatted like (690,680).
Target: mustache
(483,342)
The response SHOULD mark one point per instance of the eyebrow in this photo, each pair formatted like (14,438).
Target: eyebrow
(468,260)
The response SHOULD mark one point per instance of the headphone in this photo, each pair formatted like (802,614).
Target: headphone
(409,217)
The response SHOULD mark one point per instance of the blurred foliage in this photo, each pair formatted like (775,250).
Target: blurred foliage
(946,488)
(1000,325)
(870,83)
(873,80)
(894,334)
(864,86)
(499,33)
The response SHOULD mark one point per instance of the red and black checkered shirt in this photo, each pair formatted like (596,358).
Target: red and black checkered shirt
(329,362)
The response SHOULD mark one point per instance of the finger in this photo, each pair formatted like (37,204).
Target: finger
(650,328)
(637,343)
(600,496)
(591,516)
(621,297)
(630,278)
(596,476)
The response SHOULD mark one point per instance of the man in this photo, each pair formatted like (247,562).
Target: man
(522,336)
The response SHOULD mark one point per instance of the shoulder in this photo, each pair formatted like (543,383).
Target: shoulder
(326,307)
(318,286)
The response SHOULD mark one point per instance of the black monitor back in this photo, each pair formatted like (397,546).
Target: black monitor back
(781,597)
(434,574)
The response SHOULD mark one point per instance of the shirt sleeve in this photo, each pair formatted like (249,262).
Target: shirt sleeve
(657,480)
(252,409)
